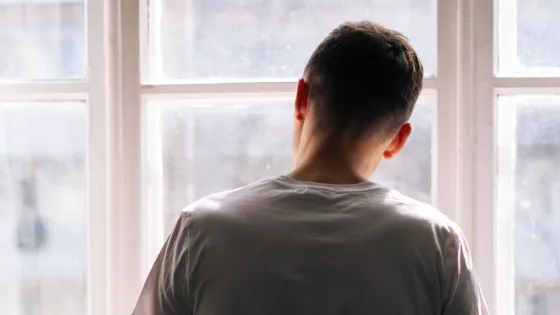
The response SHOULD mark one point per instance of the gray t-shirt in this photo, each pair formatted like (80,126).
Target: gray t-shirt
(281,246)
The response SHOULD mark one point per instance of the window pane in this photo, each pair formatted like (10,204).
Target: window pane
(195,148)
(43,224)
(529,151)
(411,171)
(219,40)
(534,36)
(42,40)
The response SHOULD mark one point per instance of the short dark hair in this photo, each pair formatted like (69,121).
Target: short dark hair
(364,77)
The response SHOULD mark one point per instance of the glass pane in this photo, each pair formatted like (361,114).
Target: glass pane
(43,219)
(411,171)
(534,36)
(195,148)
(194,40)
(42,40)
(529,151)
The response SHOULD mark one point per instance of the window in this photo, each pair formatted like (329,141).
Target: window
(529,44)
(43,154)
(526,219)
(44,40)
(108,107)
(194,41)
(529,199)
(43,218)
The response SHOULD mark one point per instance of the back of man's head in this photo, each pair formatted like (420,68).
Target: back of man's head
(363,78)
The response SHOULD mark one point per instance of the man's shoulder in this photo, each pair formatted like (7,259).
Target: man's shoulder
(220,201)
(223,211)
(414,212)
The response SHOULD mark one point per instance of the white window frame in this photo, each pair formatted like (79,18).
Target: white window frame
(464,159)
(493,243)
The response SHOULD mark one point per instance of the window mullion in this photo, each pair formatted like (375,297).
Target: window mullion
(125,158)
(445,157)
(527,85)
(210,89)
(43,91)
(114,200)
(97,163)
(485,149)
(131,250)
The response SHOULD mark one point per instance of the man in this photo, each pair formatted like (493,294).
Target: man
(323,239)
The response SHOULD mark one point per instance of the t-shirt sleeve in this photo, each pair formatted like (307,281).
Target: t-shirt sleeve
(165,291)
(461,291)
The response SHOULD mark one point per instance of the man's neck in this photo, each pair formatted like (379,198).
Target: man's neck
(329,164)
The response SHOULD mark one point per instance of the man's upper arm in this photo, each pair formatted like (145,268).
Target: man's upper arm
(165,291)
(461,292)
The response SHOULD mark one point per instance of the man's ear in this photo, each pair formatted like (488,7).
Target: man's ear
(302,96)
(398,142)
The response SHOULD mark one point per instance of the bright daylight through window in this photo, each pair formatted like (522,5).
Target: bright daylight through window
(277,36)
(528,140)
(214,93)
(43,218)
